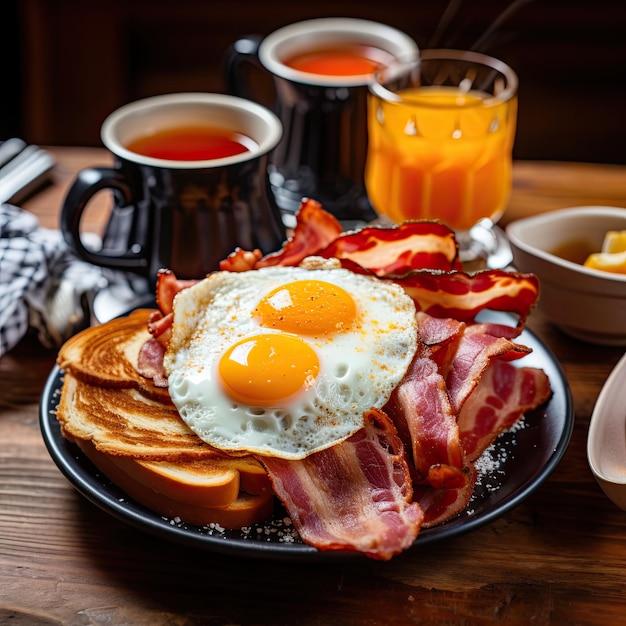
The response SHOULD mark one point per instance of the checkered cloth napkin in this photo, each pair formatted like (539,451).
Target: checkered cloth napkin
(43,286)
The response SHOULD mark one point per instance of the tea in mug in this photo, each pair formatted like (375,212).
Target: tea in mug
(192,143)
(352,60)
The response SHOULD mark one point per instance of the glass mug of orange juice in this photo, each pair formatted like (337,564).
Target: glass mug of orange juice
(318,73)
(441,133)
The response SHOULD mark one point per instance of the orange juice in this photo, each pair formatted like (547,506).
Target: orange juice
(440,153)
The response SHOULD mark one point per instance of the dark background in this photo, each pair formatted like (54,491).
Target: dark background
(69,63)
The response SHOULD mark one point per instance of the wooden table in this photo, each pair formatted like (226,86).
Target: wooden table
(560,557)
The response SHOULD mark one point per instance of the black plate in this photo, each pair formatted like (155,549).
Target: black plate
(513,468)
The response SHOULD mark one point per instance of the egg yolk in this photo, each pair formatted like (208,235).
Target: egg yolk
(264,369)
(307,307)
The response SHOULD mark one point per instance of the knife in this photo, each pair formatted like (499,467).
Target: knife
(23,168)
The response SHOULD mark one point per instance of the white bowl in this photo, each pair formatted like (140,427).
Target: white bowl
(606,440)
(585,303)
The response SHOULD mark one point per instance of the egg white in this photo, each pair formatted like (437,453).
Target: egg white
(358,369)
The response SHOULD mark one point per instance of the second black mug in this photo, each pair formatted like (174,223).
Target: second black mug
(322,105)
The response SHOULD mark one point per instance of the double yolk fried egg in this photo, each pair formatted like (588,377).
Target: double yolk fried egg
(284,361)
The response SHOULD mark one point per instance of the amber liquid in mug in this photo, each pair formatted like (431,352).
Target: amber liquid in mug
(191,143)
(349,60)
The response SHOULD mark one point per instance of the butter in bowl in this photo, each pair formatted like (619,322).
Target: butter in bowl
(585,302)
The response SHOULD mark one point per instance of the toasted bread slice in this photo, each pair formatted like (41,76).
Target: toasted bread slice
(123,422)
(107,355)
(244,510)
(150,441)
(133,433)
(205,482)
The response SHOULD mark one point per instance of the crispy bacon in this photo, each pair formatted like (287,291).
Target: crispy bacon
(241,260)
(420,407)
(150,362)
(425,244)
(502,396)
(159,326)
(458,366)
(450,359)
(355,495)
(398,249)
(463,359)
(440,505)
(462,296)
(167,286)
(315,229)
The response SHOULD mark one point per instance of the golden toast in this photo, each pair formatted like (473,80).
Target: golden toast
(244,510)
(107,355)
(133,434)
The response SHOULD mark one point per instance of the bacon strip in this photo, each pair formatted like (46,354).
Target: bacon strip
(398,249)
(315,229)
(437,332)
(150,362)
(385,251)
(448,372)
(167,286)
(241,260)
(462,296)
(463,359)
(420,407)
(356,495)
(502,396)
(449,362)
(440,505)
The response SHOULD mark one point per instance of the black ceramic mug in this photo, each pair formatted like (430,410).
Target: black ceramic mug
(324,114)
(184,210)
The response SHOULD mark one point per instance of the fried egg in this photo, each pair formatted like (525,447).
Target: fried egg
(284,361)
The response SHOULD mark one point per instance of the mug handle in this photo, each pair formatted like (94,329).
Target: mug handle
(237,61)
(87,183)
